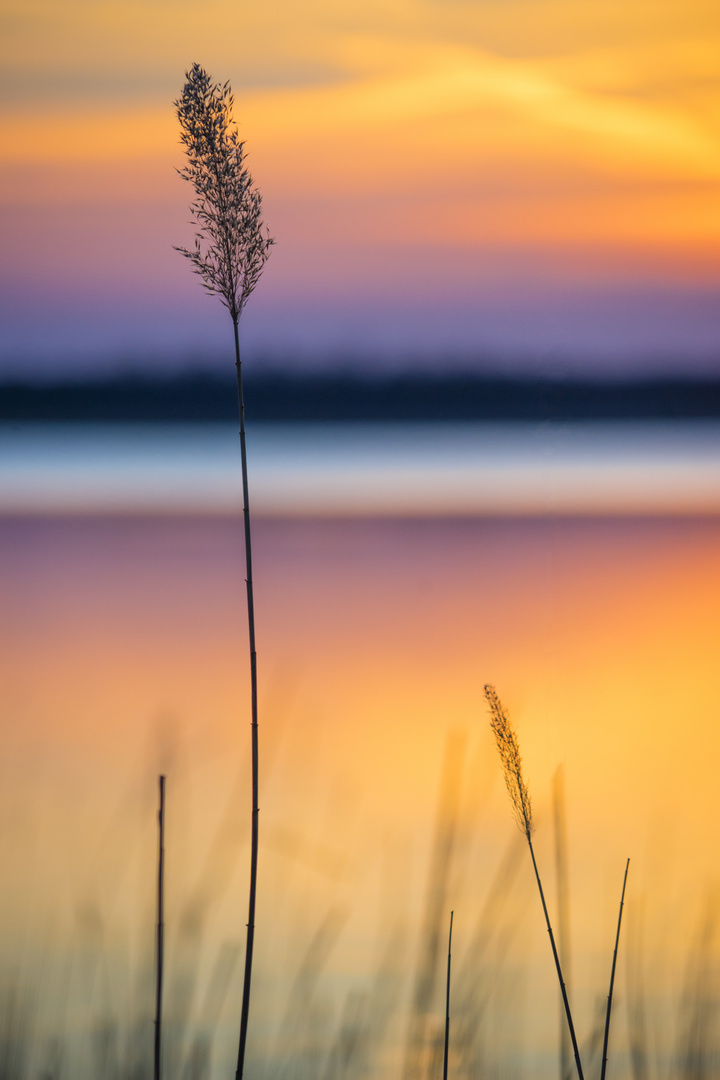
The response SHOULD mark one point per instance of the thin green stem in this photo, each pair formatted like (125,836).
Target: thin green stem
(254,713)
(563,991)
(447,1003)
(612,977)
(563,907)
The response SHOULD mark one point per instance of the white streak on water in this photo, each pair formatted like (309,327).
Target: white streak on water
(385,469)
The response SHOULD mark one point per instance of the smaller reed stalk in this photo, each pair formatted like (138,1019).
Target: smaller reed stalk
(447,1003)
(612,977)
(509,750)
(160,943)
(563,907)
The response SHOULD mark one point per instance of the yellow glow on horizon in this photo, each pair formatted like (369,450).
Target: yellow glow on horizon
(472,94)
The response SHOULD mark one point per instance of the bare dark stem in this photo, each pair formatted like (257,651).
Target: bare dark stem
(563,907)
(612,977)
(254,711)
(563,991)
(160,932)
(447,1003)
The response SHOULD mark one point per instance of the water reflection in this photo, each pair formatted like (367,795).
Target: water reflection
(123,641)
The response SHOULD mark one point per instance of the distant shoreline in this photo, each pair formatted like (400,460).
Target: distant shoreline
(199,396)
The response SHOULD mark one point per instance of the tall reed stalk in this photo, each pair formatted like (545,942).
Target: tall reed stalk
(509,750)
(231,248)
(160,941)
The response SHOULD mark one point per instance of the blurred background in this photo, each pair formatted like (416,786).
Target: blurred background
(483,407)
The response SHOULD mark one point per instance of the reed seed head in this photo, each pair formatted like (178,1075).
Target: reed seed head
(507,744)
(231,244)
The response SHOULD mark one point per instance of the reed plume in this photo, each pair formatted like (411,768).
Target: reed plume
(231,245)
(509,750)
(231,249)
(511,761)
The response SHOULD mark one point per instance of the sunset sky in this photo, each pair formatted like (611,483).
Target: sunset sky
(500,183)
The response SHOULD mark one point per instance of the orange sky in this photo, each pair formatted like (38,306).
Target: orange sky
(480,176)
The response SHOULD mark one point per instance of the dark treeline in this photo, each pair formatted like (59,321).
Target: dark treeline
(317,397)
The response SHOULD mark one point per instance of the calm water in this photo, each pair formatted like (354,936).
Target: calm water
(123,644)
